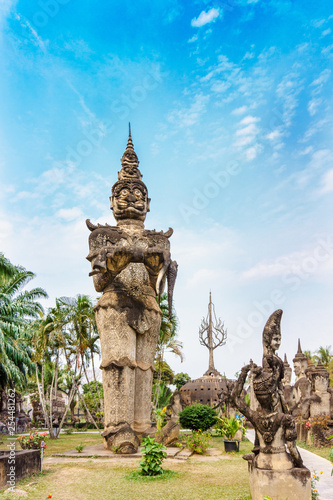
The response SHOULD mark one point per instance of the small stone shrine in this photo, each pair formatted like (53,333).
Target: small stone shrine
(206,389)
(276,468)
(130,266)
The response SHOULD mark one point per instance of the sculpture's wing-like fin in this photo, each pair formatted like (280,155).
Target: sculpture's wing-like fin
(169,232)
(171,277)
(90,225)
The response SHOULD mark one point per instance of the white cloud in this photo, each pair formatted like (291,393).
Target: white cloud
(69,214)
(326,32)
(37,39)
(240,111)
(189,116)
(205,18)
(250,119)
(250,129)
(252,152)
(193,39)
(327,182)
(314,105)
(274,135)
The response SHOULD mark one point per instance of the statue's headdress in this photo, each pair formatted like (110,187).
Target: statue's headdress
(272,327)
(129,171)
(299,355)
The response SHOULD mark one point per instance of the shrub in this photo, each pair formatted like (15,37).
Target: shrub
(153,455)
(228,427)
(31,442)
(79,448)
(197,417)
(197,441)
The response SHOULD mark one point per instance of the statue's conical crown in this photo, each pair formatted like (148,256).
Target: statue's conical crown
(129,162)
(299,355)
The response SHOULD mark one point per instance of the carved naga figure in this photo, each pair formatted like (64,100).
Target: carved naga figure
(275,470)
(130,265)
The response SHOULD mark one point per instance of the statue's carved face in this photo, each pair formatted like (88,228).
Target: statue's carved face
(130,201)
(276,341)
(287,376)
(297,368)
(321,384)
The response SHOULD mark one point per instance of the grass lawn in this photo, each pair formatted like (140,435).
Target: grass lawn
(220,477)
(323,451)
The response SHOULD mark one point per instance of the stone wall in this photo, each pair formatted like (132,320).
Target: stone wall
(18,465)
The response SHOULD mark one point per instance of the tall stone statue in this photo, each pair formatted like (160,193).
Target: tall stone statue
(130,266)
(275,467)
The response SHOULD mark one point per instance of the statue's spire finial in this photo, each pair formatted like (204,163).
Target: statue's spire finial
(299,349)
(129,161)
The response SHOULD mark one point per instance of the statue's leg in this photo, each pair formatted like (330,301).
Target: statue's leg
(118,346)
(145,353)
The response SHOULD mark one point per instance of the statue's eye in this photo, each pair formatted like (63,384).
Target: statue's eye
(124,192)
(137,192)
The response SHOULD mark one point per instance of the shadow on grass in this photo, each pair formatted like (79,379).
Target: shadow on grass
(137,476)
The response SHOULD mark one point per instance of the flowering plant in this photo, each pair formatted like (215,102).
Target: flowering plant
(197,441)
(31,442)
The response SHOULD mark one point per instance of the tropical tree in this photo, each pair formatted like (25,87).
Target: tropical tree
(167,375)
(68,331)
(325,355)
(18,309)
(164,395)
(167,341)
(181,379)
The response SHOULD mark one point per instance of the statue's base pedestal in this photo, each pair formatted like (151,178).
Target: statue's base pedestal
(293,484)
(121,439)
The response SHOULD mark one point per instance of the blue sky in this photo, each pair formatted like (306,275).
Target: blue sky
(231,110)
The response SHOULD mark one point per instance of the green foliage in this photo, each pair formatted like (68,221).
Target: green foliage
(314,480)
(90,396)
(18,309)
(180,379)
(228,427)
(153,455)
(166,373)
(197,417)
(79,448)
(164,395)
(159,416)
(33,441)
(197,441)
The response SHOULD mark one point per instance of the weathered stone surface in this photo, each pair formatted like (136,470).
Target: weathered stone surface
(294,484)
(130,265)
(276,457)
(26,462)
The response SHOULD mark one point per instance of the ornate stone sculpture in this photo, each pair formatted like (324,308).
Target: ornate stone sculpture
(273,470)
(130,266)
(286,382)
(302,387)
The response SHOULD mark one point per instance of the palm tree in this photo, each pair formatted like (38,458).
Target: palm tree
(18,309)
(324,355)
(82,333)
(167,341)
